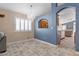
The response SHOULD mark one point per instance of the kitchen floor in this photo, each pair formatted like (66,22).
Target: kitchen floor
(68,42)
(35,47)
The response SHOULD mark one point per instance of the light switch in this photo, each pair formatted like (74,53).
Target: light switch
(51,27)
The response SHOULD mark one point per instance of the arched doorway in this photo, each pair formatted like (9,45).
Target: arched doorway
(66,19)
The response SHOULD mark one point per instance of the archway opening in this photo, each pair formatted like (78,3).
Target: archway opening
(66,27)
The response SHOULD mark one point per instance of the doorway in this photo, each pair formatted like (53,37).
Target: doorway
(66,23)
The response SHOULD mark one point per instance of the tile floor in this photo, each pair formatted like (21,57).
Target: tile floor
(34,47)
(68,42)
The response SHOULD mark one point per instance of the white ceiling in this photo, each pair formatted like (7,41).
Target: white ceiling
(37,9)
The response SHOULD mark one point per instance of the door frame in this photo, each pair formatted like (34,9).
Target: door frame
(59,39)
(68,5)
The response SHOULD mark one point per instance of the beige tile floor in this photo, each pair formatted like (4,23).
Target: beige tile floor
(34,47)
(68,42)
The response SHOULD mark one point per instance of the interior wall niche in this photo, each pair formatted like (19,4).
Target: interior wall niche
(43,23)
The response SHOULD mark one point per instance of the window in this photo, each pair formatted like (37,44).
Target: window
(29,23)
(17,24)
(23,25)
(26,25)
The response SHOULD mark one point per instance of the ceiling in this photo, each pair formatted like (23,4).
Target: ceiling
(37,9)
(30,9)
